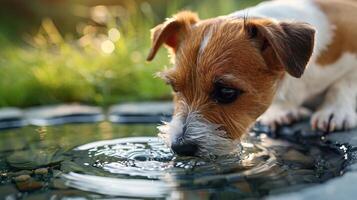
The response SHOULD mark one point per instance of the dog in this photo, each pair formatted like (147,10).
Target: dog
(259,63)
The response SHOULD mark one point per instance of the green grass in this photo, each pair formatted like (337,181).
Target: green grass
(50,67)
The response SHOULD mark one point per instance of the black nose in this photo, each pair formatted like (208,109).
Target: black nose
(184,149)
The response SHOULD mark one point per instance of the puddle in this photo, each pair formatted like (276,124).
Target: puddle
(86,161)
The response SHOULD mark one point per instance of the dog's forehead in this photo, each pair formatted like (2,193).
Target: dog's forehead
(211,48)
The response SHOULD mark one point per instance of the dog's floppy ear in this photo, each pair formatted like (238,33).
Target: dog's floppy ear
(171,31)
(285,44)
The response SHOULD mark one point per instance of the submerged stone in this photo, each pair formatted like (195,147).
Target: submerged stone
(58,184)
(41,171)
(19,173)
(69,166)
(33,159)
(22,178)
(295,156)
(28,186)
(8,192)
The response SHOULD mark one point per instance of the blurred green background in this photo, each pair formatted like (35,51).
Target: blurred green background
(89,51)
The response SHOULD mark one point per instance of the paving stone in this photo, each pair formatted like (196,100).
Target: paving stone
(11,118)
(349,137)
(144,112)
(352,167)
(338,188)
(343,187)
(62,114)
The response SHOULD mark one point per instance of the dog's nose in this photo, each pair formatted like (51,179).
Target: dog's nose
(184,149)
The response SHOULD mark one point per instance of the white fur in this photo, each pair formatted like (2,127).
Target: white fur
(316,79)
(340,81)
(294,10)
(210,140)
(341,98)
(339,78)
(205,41)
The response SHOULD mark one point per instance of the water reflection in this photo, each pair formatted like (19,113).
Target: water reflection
(117,187)
(131,166)
(265,165)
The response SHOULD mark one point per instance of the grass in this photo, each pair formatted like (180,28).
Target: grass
(103,63)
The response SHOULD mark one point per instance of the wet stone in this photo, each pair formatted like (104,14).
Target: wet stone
(352,167)
(295,156)
(11,118)
(61,194)
(69,166)
(62,114)
(339,188)
(349,137)
(22,178)
(8,192)
(145,112)
(33,159)
(41,171)
(19,173)
(58,184)
(30,185)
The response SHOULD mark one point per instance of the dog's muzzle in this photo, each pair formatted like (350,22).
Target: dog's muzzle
(196,136)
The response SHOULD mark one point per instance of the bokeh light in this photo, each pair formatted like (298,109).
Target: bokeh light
(107,46)
(114,34)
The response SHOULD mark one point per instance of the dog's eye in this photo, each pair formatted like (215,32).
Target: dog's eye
(225,95)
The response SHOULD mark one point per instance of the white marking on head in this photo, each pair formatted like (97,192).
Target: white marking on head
(210,139)
(205,41)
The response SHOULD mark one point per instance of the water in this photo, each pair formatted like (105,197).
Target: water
(107,161)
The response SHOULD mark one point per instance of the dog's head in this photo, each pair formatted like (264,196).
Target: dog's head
(225,74)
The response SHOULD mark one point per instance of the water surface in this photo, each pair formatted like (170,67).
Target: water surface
(106,161)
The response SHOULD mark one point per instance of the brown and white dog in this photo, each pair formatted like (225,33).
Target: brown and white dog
(263,62)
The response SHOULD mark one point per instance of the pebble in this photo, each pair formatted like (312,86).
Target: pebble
(28,186)
(41,171)
(22,178)
(19,173)
(296,156)
(58,184)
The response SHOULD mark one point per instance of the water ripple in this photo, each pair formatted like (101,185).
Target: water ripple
(144,167)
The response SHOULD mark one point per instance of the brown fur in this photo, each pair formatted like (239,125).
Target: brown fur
(292,43)
(235,48)
(343,16)
(170,32)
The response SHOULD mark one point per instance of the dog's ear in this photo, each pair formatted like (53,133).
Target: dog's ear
(171,32)
(285,45)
